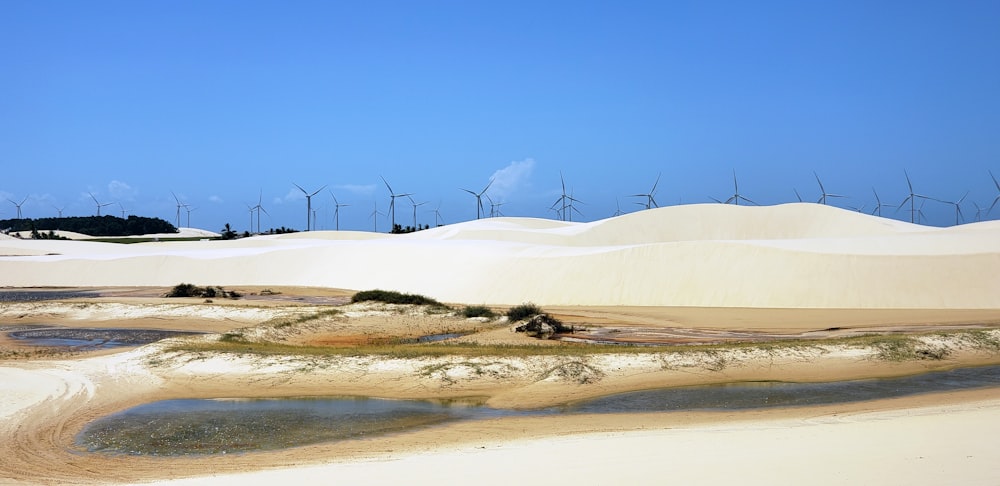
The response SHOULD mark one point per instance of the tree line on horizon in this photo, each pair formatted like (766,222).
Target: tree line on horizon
(92,225)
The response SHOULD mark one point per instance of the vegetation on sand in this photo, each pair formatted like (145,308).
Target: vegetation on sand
(189,290)
(393,297)
(478,311)
(523,311)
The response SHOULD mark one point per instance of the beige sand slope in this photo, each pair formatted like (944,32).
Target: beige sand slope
(793,255)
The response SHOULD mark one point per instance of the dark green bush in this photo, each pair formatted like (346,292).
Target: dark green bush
(478,311)
(184,290)
(188,290)
(523,311)
(393,297)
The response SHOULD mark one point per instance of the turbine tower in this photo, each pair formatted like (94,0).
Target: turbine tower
(912,198)
(562,200)
(336,211)
(18,205)
(179,206)
(878,205)
(822,190)
(415,206)
(189,209)
(98,203)
(392,201)
(259,208)
(736,197)
(438,220)
(958,208)
(650,202)
(479,198)
(997,199)
(308,202)
(375,214)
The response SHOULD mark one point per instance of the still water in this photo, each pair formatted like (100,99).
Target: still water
(194,427)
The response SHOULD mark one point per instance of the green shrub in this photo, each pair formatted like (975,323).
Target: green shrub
(189,290)
(393,297)
(184,290)
(478,311)
(523,311)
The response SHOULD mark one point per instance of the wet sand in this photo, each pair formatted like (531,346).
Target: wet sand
(48,401)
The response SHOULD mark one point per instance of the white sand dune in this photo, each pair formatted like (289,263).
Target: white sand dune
(793,255)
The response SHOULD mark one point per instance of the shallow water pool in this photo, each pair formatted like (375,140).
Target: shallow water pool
(188,427)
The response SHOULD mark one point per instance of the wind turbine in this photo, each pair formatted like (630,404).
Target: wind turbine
(259,208)
(912,198)
(650,202)
(415,206)
(251,210)
(179,206)
(979,211)
(392,201)
(189,209)
(997,199)
(561,202)
(878,204)
(494,207)
(123,210)
(308,202)
(797,196)
(479,198)
(618,208)
(822,190)
(958,208)
(571,207)
(98,203)
(736,197)
(375,214)
(336,211)
(59,209)
(438,220)
(18,205)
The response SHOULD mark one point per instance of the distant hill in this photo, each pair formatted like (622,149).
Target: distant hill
(92,225)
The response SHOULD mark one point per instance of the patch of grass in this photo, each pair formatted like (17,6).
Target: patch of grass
(393,297)
(523,311)
(478,311)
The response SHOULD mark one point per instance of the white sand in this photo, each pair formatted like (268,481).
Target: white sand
(793,255)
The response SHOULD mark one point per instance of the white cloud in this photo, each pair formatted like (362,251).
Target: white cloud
(358,188)
(509,179)
(121,190)
(294,194)
(215,199)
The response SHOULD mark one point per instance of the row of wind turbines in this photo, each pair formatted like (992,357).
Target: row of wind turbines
(565,206)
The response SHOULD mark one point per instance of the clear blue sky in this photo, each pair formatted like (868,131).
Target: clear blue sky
(217,100)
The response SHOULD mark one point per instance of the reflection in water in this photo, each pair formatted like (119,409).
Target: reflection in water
(740,396)
(181,427)
(92,338)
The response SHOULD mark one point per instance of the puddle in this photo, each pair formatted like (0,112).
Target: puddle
(433,338)
(225,426)
(193,427)
(742,396)
(90,338)
(39,295)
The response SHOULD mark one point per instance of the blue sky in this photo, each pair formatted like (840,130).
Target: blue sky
(220,101)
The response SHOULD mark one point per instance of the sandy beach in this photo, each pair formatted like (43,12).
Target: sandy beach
(732,281)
